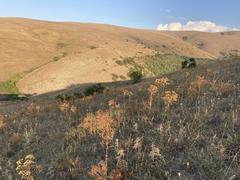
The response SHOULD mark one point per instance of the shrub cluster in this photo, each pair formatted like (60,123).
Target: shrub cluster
(98,88)
(135,75)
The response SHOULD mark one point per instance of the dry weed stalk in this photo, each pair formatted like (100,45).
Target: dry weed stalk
(104,125)
(75,166)
(98,172)
(67,108)
(152,91)
(73,109)
(127,93)
(198,83)
(155,152)
(33,108)
(2,123)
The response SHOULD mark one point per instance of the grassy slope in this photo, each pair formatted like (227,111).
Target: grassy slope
(158,64)
(197,137)
(162,64)
(9,86)
(89,47)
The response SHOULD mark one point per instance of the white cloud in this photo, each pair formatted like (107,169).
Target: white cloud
(205,26)
(169,11)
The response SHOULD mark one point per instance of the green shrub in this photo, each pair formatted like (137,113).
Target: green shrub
(115,77)
(123,77)
(135,75)
(191,63)
(63,97)
(78,95)
(56,58)
(128,61)
(119,62)
(98,88)
(61,45)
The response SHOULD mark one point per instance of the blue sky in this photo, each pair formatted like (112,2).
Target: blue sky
(132,13)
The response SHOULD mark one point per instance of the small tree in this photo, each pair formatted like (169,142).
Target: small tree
(135,75)
(193,63)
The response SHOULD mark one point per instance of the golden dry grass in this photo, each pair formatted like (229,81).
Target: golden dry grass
(66,53)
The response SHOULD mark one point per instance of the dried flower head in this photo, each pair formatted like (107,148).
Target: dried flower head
(99,171)
(38,108)
(137,143)
(127,93)
(162,82)
(73,109)
(112,104)
(101,123)
(170,97)
(120,154)
(75,166)
(152,90)
(155,152)
(27,167)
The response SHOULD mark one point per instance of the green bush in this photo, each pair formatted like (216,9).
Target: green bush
(119,62)
(190,63)
(56,58)
(78,95)
(115,77)
(98,88)
(123,77)
(135,75)
(63,97)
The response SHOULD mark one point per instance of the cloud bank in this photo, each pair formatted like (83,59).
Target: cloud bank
(204,26)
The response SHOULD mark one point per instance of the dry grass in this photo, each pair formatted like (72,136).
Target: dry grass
(65,46)
(190,132)
(2,123)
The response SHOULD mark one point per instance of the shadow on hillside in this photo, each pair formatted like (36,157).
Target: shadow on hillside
(80,88)
(13,97)
(69,90)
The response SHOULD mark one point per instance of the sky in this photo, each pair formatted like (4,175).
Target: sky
(203,15)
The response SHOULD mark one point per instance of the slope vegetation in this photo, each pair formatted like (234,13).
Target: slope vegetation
(183,125)
(55,55)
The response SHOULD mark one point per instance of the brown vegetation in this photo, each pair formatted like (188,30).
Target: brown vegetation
(191,130)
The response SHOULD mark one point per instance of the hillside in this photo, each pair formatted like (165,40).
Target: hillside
(215,43)
(182,125)
(40,56)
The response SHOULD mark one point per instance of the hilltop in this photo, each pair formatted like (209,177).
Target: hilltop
(40,56)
